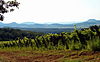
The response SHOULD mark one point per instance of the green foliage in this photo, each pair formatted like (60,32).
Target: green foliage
(87,38)
(93,44)
(8,34)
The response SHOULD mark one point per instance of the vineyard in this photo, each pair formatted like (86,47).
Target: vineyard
(42,31)
(84,39)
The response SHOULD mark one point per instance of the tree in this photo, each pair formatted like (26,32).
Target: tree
(6,7)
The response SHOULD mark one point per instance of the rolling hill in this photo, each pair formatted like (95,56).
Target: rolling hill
(88,23)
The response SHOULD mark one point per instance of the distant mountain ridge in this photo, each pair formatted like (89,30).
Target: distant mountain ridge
(93,20)
(28,23)
(88,23)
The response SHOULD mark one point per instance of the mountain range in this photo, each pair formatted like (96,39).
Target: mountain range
(87,23)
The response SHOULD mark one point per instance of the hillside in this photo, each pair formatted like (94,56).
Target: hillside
(7,34)
(77,46)
(87,23)
(87,38)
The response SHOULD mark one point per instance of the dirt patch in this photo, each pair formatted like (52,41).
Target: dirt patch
(29,56)
(88,53)
(85,56)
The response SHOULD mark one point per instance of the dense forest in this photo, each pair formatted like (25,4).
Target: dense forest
(87,38)
(49,30)
(7,34)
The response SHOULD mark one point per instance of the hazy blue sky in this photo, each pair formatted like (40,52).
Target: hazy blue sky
(55,11)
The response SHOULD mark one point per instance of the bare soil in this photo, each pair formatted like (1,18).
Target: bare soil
(48,56)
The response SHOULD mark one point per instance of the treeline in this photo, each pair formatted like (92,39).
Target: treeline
(87,38)
(7,34)
(49,30)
